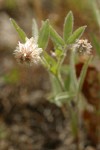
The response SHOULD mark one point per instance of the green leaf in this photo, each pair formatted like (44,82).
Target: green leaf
(65,69)
(20,32)
(55,85)
(44,35)
(58,53)
(83,74)
(64,96)
(76,35)
(96,11)
(96,44)
(56,38)
(73,76)
(53,69)
(67,82)
(52,65)
(49,59)
(68,26)
(35,30)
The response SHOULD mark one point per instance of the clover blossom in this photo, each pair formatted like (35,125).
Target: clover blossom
(83,47)
(28,52)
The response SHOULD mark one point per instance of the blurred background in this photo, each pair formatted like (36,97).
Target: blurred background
(27,120)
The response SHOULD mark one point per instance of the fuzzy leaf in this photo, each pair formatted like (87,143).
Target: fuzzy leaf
(67,82)
(58,53)
(56,38)
(55,85)
(20,32)
(68,26)
(83,74)
(96,44)
(44,35)
(76,35)
(35,30)
(64,96)
(96,11)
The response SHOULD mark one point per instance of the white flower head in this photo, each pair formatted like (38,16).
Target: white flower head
(83,47)
(28,52)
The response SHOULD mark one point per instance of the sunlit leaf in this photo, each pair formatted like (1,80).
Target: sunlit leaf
(44,35)
(67,82)
(20,32)
(64,96)
(65,69)
(96,44)
(76,35)
(49,58)
(58,53)
(83,74)
(68,26)
(56,38)
(73,75)
(55,85)
(95,10)
(35,30)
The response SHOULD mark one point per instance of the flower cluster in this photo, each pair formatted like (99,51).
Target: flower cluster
(82,47)
(28,52)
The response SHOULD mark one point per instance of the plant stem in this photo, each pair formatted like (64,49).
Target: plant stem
(74,116)
(58,74)
(60,81)
(74,113)
(79,88)
(73,70)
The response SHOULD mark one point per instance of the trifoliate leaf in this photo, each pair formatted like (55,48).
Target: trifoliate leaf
(44,35)
(64,96)
(35,30)
(96,43)
(76,35)
(68,26)
(56,38)
(20,32)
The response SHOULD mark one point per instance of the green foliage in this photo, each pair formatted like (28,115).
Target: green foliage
(58,53)
(63,97)
(56,38)
(20,32)
(76,35)
(67,82)
(55,86)
(44,35)
(96,43)
(96,11)
(68,26)
(83,74)
(35,31)
(52,64)
(73,77)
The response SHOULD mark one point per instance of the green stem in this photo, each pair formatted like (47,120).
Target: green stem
(83,74)
(60,62)
(45,63)
(73,70)
(74,121)
(60,81)
(74,113)
(79,88)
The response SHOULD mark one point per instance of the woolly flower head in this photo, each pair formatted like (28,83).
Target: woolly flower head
(83,47)
(28,52)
